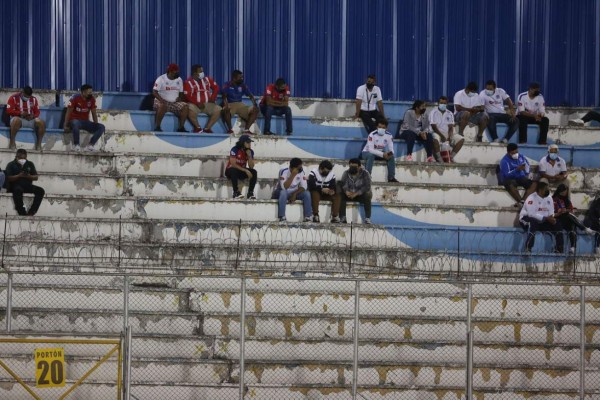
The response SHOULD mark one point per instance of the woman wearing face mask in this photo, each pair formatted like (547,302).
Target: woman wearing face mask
(563,210)
(415,127)
(553,167)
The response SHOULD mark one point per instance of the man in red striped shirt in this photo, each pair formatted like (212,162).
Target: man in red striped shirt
(201,93)
(24,112)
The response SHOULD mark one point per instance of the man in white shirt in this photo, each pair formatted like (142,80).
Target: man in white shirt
(168,96)
(553,168)
(468,107)
(537,214)
(441,122)
(532,110)
(380,146)
(494,99)
(293,186)
(369,104)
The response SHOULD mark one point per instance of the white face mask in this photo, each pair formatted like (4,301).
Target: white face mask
(489,92)
(381,131)
(471,94)
(201,76)
(22,161)
(515,156)
(442,107)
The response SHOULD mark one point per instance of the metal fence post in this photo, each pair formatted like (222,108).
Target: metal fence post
(237,250)
(127,368)
(9,289)
(125,302)
(242,336)
(469,373)
(355,344)
(458,252)
(350,255)
(582,342)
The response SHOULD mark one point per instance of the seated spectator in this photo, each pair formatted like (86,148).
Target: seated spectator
(201,94)
(168,96)
(514,172)
(24,112)
(592,221)
(494,99)
(322,186)
(380,146)
(441,122)
(355,186)
(241,166)
(532,110)
(537,215)
(275,102)
(563,210)
(469,107)
(78,117)
(20,173)
(232,93)
(553,167)
(369,104)
(415,127)
(293,186)
(589,116)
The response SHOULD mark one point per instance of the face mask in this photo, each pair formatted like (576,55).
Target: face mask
(353,170)
(471,94)
(442,107)
(489,92)
(201,76)
(24,98)
(22,161)
(515,156)
(381,131)
(370,85)
(553,156)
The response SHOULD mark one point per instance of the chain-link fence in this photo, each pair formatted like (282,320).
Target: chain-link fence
(315,337)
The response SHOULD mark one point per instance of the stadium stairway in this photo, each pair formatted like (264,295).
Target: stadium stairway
(142,203)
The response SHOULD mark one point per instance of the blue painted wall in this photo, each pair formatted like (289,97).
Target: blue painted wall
(417,48)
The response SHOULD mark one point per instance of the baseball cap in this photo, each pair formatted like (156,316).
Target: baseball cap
(245,139)
(172,68)
(544,180)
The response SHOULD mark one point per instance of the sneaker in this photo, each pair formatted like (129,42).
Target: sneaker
(576,122)
(251,196)
(316,218)
(504,141)
(308,219)
(479,139)
(590,231)
(597,251)
(393,180)
(282,219)
(157,129)
(197,130)
(89,148)
(268,133)
(238,195)
(430,159)
(368,221)
(182,130)
(38,147)
(207,131)
(77,148)
(496,141)
(229,131)
(572,250)
(12,146)
(409,157)
(247,132)
(335,220)
(343,220)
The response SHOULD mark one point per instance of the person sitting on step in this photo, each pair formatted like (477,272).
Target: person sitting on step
(415,127)
(241,166)
(322,186)
(563,209)
(20,173)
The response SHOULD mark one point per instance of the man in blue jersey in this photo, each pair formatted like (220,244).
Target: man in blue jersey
(514,172)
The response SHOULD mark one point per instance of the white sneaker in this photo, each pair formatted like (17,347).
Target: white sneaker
(576,122)
(77,148)
(504,141)
(590,231)
(572,250)
(598,251)
(368,221)
(496,141)
(89,148)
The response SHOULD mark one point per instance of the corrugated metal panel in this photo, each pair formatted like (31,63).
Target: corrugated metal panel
(417,49)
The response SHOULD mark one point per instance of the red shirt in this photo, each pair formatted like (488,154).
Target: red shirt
(241,158)
(81,107)
(272,92)
(17,106)
(200,92)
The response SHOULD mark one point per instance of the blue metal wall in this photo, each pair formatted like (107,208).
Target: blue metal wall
(325,48)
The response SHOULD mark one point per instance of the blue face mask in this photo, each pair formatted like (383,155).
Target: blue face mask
(24,98)
(442,107)
(553,156)
(381,131)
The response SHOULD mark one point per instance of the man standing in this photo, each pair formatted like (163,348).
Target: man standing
(355,186)
(532,110)
(514,172)
(380,146)
(468,107)
(322,186)
(441,122)
(293,186)
(538,215)
(275,102)
(201,93)
(369,104)
(168,96)
(24,112)
(78,117)
(494,99)
(241,166)
(20,173)
(232,93)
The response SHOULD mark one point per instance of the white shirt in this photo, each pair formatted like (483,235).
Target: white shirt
(559,166)
(378,144)
(369,98)
(494,104)
(462,98)
(534,106)
(299,180)
(537,207)
(168,89)
(441,120)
